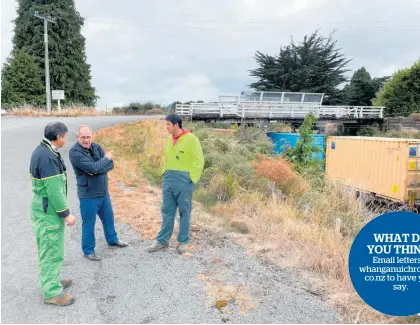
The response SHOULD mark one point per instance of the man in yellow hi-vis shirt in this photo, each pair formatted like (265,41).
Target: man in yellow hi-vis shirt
(183,166)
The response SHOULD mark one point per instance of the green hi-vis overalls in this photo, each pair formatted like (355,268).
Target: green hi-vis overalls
(48,208)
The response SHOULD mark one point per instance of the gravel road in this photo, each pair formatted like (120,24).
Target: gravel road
(130,285)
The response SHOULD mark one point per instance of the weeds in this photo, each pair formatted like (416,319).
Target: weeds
(409,134)
(286,217)
(302,155)
(148,108)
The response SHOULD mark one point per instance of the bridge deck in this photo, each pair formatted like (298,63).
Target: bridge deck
(275,110)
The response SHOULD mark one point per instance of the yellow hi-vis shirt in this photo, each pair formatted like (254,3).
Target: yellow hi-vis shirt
(186,155)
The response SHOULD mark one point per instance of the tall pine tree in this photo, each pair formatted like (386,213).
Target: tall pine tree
(362,88)
(68,68)
(21,82)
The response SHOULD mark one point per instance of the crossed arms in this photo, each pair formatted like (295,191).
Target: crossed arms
(81,161)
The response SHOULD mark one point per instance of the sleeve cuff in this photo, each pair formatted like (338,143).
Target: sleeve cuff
(63,214)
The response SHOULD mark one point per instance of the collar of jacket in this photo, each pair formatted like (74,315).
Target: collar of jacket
(50,146)
(83,148)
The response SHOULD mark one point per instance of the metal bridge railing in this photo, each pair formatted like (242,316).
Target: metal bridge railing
(273,109)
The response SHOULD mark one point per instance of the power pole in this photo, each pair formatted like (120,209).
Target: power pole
(47,63)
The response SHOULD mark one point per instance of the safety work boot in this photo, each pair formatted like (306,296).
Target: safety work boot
(66,283)
(157,247)
(182,248)
(61,300)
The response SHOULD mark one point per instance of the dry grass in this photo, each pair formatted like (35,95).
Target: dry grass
(280,224)
(330,128)
(296,232)
(415,116)
(281,233)
(135,145)
(408,133)
(72,111)
(156,111)
(224,131)
(281,172)
(279,127)
(69,111)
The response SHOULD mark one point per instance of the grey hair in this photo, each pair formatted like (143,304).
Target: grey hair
(83,126)
(55,129)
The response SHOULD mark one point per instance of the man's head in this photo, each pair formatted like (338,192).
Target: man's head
(174,124)
(84,136)
(56,132)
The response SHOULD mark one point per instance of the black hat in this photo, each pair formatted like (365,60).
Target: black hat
(174,119)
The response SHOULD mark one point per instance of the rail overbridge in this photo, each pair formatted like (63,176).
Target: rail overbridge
(262,107)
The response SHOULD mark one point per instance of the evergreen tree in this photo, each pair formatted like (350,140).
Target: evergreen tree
(362,88)
(68,68)
(21,82)
(401,94)
(315,65)
(378,83)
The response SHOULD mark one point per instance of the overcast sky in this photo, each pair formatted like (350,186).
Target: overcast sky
(167,50)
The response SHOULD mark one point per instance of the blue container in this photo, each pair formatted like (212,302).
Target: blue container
(282,140)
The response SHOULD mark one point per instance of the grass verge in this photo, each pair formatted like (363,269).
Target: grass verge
(74,111)
(71,111)
(297,221)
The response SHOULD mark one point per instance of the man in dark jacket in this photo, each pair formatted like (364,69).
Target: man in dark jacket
(91,165)
(49,212)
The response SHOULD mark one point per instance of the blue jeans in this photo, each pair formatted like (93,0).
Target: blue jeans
(177,190)
(89,208)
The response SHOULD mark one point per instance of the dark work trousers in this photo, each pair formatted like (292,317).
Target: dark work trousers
(177,190)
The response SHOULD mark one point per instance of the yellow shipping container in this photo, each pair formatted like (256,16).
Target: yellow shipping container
(387,167)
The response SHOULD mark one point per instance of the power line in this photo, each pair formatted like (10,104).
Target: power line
(122,19)
(190,25)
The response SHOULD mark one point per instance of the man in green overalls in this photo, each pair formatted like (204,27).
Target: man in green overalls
(183,166)
(49,212)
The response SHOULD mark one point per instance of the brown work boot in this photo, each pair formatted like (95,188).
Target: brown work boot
(66,283)
(62,300)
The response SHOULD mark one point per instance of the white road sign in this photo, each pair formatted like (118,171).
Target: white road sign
(57,94)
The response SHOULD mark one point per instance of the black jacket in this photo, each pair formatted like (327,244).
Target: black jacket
(91,168)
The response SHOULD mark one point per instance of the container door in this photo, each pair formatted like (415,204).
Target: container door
(413,174)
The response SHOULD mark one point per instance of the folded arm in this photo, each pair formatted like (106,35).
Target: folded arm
(108,167)
(90,167)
